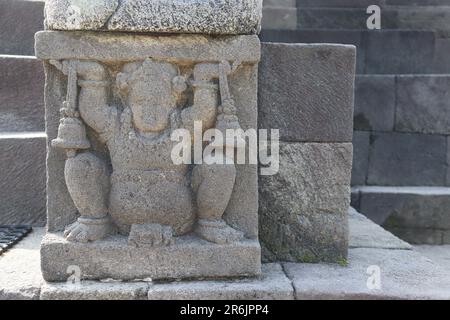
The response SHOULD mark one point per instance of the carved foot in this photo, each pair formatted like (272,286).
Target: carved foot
(151,235)
(89,229)
(218,231)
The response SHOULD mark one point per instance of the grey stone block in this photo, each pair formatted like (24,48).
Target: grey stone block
(439,254)
(332,18)
(361,141)
(374,102)
(441,60)
(297,223)
(161,16)
(21,94)
(405,274)
(352,37)
(108,258)
(19,21)
(407,207)
(271,285)
(403,159)
(280,3)
(398,52)
(22,187)
(423,103)
(306,91)
(355,199)
(21,276)
(282,18)
(364,233)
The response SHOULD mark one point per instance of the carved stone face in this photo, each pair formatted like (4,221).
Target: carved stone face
(151,96)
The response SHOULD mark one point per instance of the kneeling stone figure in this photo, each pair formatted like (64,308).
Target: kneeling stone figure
(143,194)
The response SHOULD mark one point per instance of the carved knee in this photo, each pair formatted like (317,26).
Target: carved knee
(87,180)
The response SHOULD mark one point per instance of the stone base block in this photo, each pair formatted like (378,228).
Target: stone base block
(272,284)
(110,259)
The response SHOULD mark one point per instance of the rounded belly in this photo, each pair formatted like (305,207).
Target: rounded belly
(144,197)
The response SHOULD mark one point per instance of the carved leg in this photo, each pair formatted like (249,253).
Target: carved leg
(213,185)
(88,184)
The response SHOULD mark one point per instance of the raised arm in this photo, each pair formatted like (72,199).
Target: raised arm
(206,94)
(93,96)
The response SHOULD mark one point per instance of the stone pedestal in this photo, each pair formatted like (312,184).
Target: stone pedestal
(118,206)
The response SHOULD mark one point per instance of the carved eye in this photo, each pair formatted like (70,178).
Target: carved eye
(179,84)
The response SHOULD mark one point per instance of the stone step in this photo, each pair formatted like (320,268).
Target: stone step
(381,51)
(19,21)
(433,18)
(21,94)
(418,215)
(400,159)
(23,176)
(403,103)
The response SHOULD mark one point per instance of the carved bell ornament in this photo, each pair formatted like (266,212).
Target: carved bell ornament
(71,135)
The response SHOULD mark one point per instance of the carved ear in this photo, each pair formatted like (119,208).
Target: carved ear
(122,81)
(179,84)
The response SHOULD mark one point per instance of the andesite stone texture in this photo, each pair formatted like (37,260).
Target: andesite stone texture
(405,159)
(303,208)
(161,16)
(109,158)
(405,274)
(21,94)
(306,91)
(361,142)
(22,187)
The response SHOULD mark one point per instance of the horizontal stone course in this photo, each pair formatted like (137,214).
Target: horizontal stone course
(193,16)
(21,94)
(361,142)
(306,91)
(280,18)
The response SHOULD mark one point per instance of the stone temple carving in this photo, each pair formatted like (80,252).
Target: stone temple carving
(145,196)
(118,205)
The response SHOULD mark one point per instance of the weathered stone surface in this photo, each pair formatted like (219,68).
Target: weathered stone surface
(21,94)
(280,3)
(19,21)
(281,18)
(405,274)
(94,290)
(361,141)
(121,46)
(191,16)
(395,52)
(306,91)
(374,103)
(20,276)
(423,103)
(364,233)
(271,285)
(22,187)
(298,223)
(439,254)
(113,258)
(415,214)
(402,159)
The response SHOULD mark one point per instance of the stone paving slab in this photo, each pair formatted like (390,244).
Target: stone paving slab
(439,254)
(404,274)
(20,276)
(366,234)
